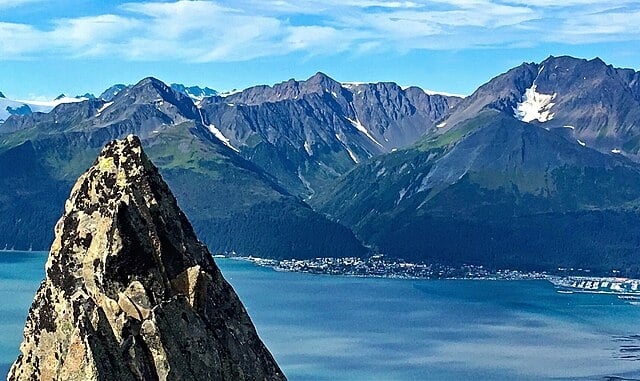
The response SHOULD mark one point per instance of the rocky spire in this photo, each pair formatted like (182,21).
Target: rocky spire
(130,293)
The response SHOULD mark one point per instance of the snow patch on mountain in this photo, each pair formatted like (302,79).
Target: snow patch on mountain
(353,85)
(104,107)
(50,105)
(535,106)
(229,93)
(344,144)
(443,93)
(356,123)
(196,93)
(307,147)
(218,134)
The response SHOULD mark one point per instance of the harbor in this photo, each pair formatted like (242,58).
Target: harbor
(625,288)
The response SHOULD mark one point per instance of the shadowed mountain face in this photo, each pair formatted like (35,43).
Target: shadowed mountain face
(527,172)
(130,293)
(499,192)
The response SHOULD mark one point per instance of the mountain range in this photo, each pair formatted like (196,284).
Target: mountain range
(10,107)
(537,169)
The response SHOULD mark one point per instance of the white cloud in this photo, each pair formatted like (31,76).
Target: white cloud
(17,39)
(604,25)
(201,31)
(225,30)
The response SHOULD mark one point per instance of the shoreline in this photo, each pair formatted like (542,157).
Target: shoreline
(318,266)
(376,268)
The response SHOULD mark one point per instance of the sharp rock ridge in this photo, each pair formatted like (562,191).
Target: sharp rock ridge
(130,293)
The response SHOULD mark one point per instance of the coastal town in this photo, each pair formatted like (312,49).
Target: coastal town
(564,280)
(383,267)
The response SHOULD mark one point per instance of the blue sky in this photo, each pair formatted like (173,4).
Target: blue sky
(77,46)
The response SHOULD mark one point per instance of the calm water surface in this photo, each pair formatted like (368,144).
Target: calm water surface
(339,328)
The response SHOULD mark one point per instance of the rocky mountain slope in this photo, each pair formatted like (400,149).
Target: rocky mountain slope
(112,91)
(589,102)
(130,293)
(307,133)
(535,169)
(530,171)
(499,192)
(233,204)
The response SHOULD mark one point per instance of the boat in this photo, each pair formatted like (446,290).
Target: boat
(624,288)
(629,297)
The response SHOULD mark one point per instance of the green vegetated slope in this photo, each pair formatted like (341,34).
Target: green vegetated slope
(227,198)
(499,192)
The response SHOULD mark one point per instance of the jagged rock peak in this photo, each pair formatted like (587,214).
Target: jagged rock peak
(130,293)
(152,92)
(153,82)
(322,78)
(112,91)
(153,87)
(319,83)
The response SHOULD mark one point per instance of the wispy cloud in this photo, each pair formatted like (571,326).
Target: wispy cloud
(215,31)
(5,4)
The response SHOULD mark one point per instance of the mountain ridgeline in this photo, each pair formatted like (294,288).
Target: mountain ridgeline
(307,134)
(537,169)
(590,102)
(244,193)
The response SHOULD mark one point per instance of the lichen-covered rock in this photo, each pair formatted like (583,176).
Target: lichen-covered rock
(130,293)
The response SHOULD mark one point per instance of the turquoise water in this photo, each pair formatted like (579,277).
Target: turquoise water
(339,328)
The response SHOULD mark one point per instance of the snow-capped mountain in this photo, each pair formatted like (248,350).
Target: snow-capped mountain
(535,152)
(231,201)
(528,171)
(10,107)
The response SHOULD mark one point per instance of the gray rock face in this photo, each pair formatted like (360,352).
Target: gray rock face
(583,100)
(130,293)
(196,93)
(148,106)
(111,92)
(308,133)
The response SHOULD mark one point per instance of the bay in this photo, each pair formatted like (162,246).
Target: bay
(342,328)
